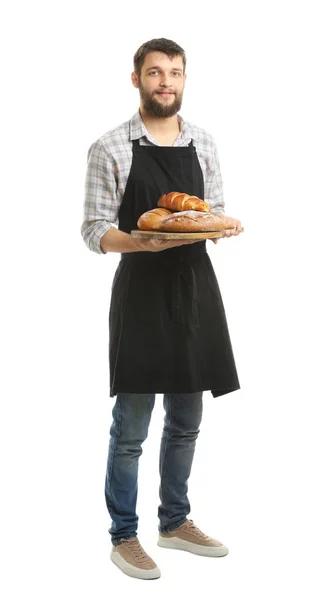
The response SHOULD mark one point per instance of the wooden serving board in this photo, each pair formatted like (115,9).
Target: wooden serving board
(165,235)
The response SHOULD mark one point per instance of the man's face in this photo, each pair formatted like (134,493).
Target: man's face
(161,84)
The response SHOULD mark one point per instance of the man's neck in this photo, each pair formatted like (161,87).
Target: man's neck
(160,128)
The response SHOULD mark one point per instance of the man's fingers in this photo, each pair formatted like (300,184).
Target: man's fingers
(233,231)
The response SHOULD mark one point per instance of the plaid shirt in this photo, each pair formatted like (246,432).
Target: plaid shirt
(108,166)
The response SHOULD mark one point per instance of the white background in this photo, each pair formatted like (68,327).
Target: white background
(254,82)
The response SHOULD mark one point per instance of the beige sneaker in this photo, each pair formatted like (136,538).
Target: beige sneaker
(188,537)
(130,557)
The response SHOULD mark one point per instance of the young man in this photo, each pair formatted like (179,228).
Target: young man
(168,330)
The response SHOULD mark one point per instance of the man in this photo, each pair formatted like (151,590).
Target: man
(168,331)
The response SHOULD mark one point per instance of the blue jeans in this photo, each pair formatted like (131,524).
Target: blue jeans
(131,420)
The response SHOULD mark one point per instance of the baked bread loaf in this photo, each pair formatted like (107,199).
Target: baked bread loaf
(162,219)
(178,201)
(151,219)
(191,221)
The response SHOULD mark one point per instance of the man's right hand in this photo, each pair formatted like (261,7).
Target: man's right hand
(115,240)
(154,245)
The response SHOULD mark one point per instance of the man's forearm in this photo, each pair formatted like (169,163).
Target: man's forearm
(115,240)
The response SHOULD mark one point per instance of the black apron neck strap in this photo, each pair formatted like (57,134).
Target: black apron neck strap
(136,143)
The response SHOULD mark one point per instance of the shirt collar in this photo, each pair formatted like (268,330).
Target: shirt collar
(138,129)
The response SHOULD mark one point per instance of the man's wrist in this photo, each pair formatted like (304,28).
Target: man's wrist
(137,244)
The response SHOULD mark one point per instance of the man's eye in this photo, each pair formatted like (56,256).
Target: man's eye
(176,73)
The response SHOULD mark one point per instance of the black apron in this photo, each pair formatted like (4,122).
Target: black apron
(167,325)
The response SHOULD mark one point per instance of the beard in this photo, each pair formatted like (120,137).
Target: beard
(156,108)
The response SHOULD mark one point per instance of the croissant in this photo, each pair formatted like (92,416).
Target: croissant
(161,219)
(180,201)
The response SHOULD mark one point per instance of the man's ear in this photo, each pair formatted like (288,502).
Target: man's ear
(135,79)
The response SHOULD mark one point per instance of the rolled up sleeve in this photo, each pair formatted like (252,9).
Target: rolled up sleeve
(100,202)
(213,183)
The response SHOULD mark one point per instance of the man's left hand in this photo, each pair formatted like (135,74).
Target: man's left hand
(235,226)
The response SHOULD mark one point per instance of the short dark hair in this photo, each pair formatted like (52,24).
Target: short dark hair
(169,48)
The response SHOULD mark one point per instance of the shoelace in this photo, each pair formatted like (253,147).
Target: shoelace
(135,547)
(191,526)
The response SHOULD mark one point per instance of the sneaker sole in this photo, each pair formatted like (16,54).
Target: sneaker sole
(178,544)
(133,571)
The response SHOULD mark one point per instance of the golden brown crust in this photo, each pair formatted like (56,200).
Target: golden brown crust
(178,201)
(190,221)
(151,219)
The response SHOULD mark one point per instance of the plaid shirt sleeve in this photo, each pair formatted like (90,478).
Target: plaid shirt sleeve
(100,203)
(213,182)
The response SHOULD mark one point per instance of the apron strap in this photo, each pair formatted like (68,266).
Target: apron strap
(136,143)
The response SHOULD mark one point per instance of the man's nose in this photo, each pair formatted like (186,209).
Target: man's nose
(165,80)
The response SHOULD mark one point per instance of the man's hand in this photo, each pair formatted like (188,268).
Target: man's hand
(235,226)
(115,240)
(155,245)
